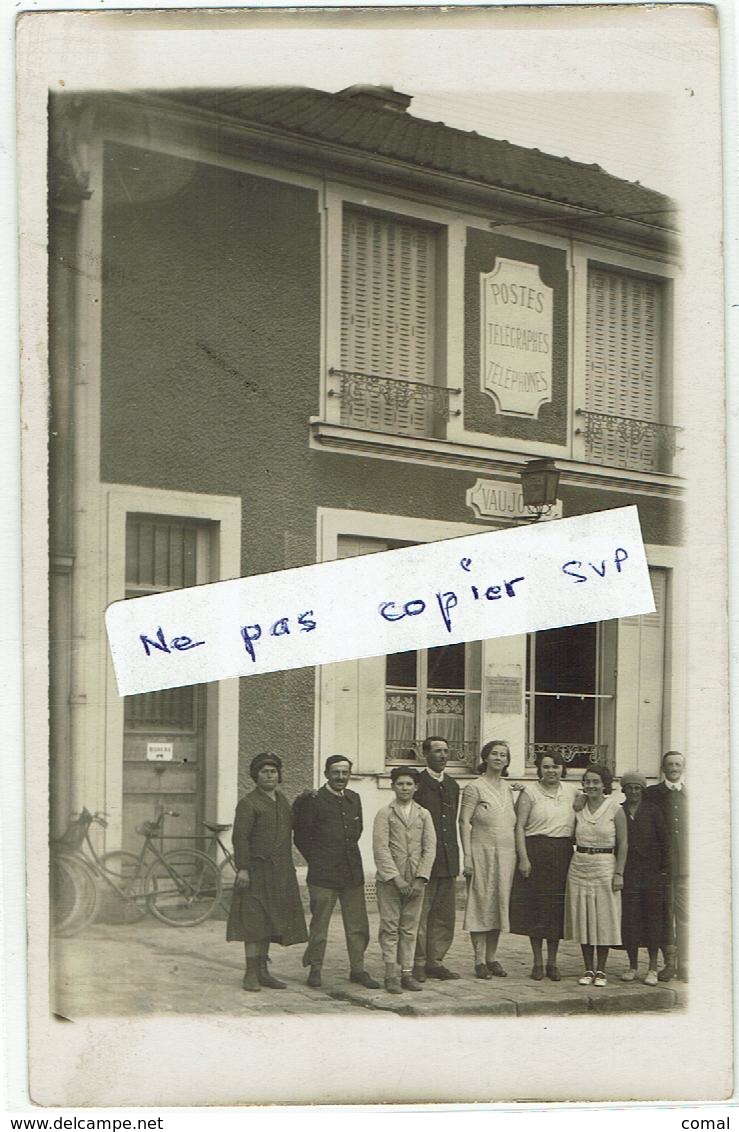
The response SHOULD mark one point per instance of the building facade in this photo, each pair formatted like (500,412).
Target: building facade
(289,326)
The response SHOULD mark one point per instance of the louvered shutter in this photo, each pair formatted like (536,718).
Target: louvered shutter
(355,691)
(640,697)
(387,305)
(624,317)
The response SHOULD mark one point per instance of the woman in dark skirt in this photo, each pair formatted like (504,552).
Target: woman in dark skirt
(266,903)
(646,918)
(545,823)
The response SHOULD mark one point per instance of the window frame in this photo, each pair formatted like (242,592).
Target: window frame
(654,269)
(448,310)
(421,692)
(604,730)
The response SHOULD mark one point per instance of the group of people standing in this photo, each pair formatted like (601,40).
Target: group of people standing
(548,860)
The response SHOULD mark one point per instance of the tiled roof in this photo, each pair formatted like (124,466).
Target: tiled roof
(360,124)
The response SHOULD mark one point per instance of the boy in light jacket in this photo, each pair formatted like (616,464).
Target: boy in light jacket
(404,847)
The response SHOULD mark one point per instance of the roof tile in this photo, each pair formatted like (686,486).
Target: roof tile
(351,122)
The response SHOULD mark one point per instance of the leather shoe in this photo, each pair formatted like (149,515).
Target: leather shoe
(495,969)
(419,974)
(392,985)
(314,977)
(553,973)
(267,980)
(481,971)
(439,971)
(667,973)
(364,979)
(407,982)
(537,973)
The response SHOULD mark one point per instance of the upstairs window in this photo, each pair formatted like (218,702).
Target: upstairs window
(388,306)
(624,410)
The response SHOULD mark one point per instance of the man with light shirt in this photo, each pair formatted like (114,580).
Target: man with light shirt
(671,797)
(439,794)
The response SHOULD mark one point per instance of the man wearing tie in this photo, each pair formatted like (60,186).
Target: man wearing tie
(671,797)
(439,794)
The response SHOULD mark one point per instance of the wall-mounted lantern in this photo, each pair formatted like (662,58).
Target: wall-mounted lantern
(540,481)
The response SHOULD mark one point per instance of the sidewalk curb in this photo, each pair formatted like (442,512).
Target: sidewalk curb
(646,1002)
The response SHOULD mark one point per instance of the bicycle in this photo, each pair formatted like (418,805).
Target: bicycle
(227,867)
(180,887)
(72,894)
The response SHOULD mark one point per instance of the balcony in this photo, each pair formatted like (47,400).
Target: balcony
(575,755)
(627,442)
(391,405)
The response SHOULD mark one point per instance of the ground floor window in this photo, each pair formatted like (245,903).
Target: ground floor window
(566,699)
(433,692)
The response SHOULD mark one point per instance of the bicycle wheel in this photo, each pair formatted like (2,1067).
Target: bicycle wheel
(228,876)
(72,893)
(183,887)
(130,906)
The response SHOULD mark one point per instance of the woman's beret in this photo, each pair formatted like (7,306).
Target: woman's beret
(633,778)
(265,759)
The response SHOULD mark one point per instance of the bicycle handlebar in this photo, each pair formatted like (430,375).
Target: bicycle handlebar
(151,828)
(86,818)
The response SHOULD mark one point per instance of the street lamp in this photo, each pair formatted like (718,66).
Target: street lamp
(539,480)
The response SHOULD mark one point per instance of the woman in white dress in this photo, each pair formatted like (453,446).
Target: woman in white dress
(487,821)
(596,875)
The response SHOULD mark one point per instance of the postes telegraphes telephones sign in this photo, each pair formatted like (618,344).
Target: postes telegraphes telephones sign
(516,338)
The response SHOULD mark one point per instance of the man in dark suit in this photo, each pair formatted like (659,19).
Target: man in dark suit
(439,794)
(328,825)
(671,797)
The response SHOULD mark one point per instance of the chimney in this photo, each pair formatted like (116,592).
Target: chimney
(378,97)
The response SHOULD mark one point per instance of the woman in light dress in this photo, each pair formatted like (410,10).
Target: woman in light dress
(596,875)
(487,821)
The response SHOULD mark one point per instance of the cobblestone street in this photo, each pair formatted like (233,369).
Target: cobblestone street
(149,968)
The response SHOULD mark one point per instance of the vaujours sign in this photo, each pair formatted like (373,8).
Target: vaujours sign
(516,338)
(500,499)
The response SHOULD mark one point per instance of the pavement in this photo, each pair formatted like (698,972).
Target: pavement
(150,968)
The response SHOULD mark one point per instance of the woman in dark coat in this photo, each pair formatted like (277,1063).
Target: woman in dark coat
(266,903)
(645,898)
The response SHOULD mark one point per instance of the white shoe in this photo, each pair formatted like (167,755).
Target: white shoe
(600,980)
(587,979)
(651,979)
(629,976)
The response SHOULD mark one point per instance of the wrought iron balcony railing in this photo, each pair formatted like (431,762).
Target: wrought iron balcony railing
(408,752)
(627,442)
(576,755)
(388,404)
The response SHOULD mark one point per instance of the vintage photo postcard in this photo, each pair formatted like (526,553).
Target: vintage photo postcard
(302,286)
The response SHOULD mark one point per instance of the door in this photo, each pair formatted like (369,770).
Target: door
(164,732)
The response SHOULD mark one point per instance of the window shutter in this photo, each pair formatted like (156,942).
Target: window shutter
(641,651)
(354,690)
(624,326)
(387,304)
